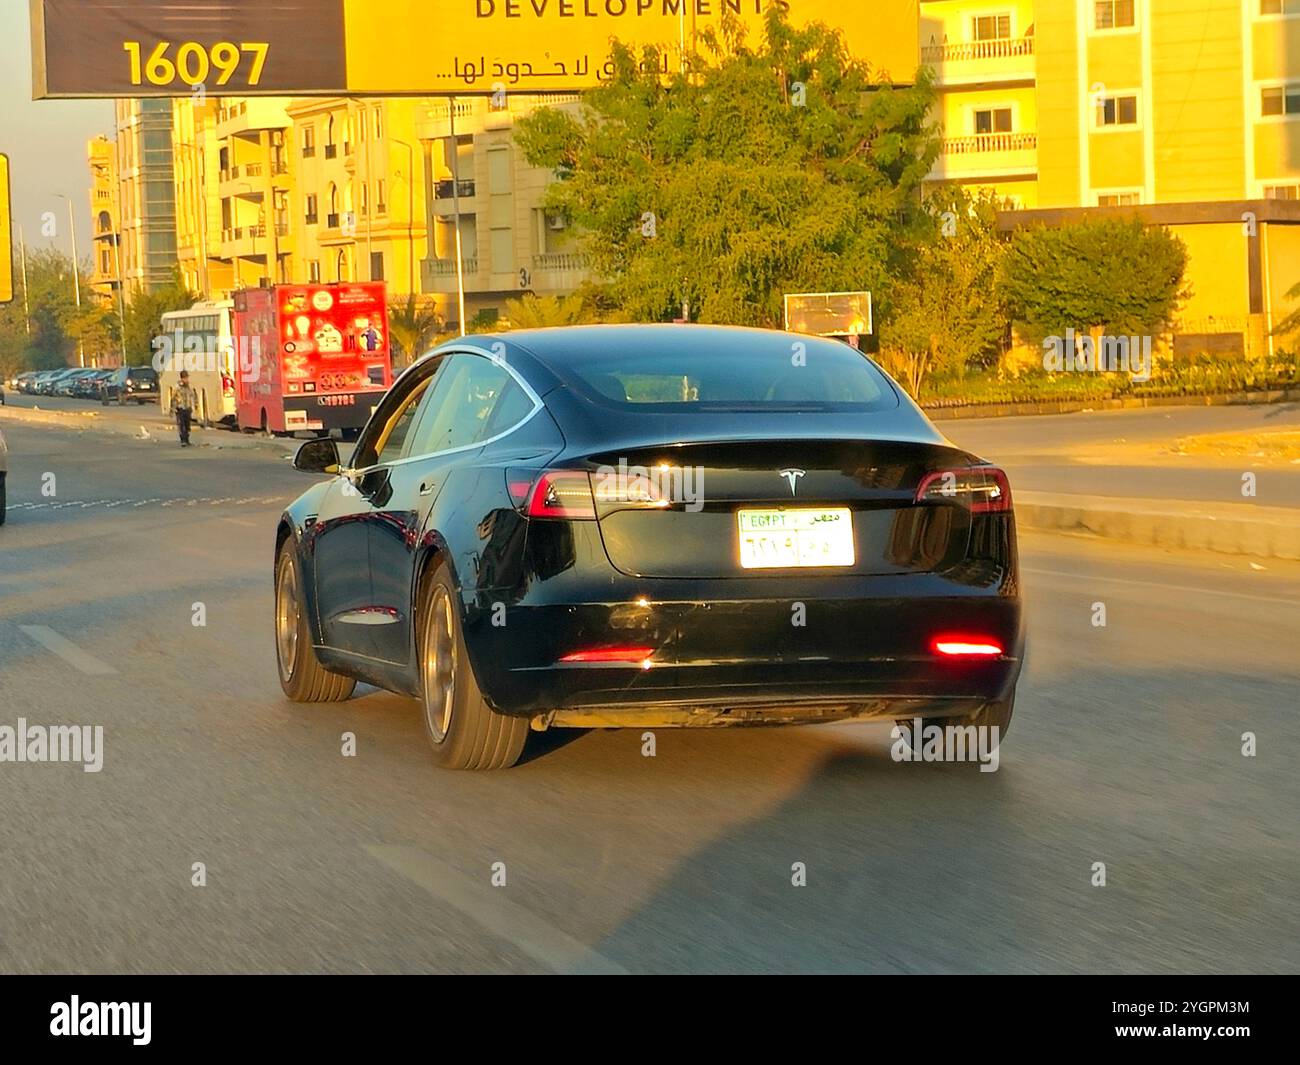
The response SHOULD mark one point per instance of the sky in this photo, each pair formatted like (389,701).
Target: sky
(45,140)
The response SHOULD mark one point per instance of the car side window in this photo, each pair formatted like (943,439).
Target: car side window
(386,434)
(460,410)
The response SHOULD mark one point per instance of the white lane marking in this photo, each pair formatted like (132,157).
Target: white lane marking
(1275,601)
(245,524)
(67,650)
(488,907)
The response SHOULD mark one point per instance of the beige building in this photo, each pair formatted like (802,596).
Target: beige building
(146,203)
(105,275)
(508,243)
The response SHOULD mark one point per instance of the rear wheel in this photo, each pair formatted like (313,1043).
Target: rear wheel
(2,499)
(463,730)
(302,677)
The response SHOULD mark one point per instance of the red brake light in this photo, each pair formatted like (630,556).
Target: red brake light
(966,647)
(631,656)
(984,489)
(564,494)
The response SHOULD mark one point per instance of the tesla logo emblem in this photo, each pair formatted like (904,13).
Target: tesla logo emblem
(793,477)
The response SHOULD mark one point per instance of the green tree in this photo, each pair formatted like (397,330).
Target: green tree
(43,337)
(144,311)
(1107,275)
(768,168)
(1291,323)
(944,312)
(531,311)
(413,325)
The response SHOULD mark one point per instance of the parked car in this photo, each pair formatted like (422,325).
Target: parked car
(130,384)
(51,381)
(24,381)
(644,504)
(86,386)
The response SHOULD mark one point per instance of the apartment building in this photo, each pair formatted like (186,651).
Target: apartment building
(509,245)
(1183,112)
(146,203)
(105,277)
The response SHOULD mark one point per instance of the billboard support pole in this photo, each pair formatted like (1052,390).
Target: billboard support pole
(455,201)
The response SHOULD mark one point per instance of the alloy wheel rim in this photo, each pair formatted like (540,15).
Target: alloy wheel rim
(439,666)
(286,620)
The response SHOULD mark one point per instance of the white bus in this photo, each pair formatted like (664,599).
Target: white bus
(199,340)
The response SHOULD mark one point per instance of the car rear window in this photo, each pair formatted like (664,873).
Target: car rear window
(819,376)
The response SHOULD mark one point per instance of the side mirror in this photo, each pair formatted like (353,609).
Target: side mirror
(317,456)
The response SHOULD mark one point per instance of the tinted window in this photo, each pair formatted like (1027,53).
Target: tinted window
(820,376)
(461,408)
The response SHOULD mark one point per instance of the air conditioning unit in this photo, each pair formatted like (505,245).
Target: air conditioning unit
(556,222)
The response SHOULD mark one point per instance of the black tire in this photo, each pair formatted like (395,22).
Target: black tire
(302,677)
(463,730)
(2,499)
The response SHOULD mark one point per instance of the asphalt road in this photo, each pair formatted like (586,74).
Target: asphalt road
(1109,453)
(1126,750)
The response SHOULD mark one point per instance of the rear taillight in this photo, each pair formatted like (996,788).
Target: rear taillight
(983,489)
(573,495)
(563,494)
(227,384)
(966,647)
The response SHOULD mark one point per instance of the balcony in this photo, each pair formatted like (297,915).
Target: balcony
(252,114)
(558,271)
(435,122)
(312,219)
(439,275)
(244,241)
(1006,60)
(444,202)
(986,155)
(442,190)
(332,220)
(331,151)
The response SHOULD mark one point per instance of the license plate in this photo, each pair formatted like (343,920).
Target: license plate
(796,538)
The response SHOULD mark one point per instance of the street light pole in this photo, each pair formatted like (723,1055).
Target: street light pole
(76,273)
(455,198)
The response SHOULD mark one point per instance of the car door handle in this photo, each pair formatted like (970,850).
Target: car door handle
(427,487)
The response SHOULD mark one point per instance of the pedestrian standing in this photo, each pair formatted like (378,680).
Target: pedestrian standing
(183,400)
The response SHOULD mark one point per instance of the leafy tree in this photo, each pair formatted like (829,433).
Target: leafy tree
(775,167)
(144,311)
(945,312)
(1106,275)
(43,337)
(540,312)
(413,325)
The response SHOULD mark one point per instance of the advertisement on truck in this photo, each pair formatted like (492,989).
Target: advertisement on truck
(312,357)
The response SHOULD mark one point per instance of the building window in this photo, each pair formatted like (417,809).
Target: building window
(991,27)
(379,122)
(311,209)
(313,271)
(381,197)
(1117,110)
(1119,199)
(1279,7)
(1113,14)
(331,148)
(308,141)
(1282,192)
(993,120)
(376,266)
(1280,100)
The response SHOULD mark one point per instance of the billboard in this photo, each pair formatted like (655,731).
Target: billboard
(829,314)
(131,48)
(6,235)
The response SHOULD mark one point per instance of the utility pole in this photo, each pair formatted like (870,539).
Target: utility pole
(455,198)
(22,252)
(76,273)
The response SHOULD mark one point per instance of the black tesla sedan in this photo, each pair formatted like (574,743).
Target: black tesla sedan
(652,525)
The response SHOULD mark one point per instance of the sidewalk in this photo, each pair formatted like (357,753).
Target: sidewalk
(130,421)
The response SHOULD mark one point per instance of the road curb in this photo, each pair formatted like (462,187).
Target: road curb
(1027,408)
(1227,528)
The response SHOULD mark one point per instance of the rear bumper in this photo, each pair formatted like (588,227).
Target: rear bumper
(744,661)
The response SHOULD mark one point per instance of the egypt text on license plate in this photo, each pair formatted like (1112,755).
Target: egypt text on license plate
(796,537)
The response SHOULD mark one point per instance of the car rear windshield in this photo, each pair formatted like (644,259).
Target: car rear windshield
(142,373)
(811,376)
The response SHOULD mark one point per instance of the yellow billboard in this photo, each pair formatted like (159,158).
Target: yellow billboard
(112,48)
(396,47)
(6,235)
